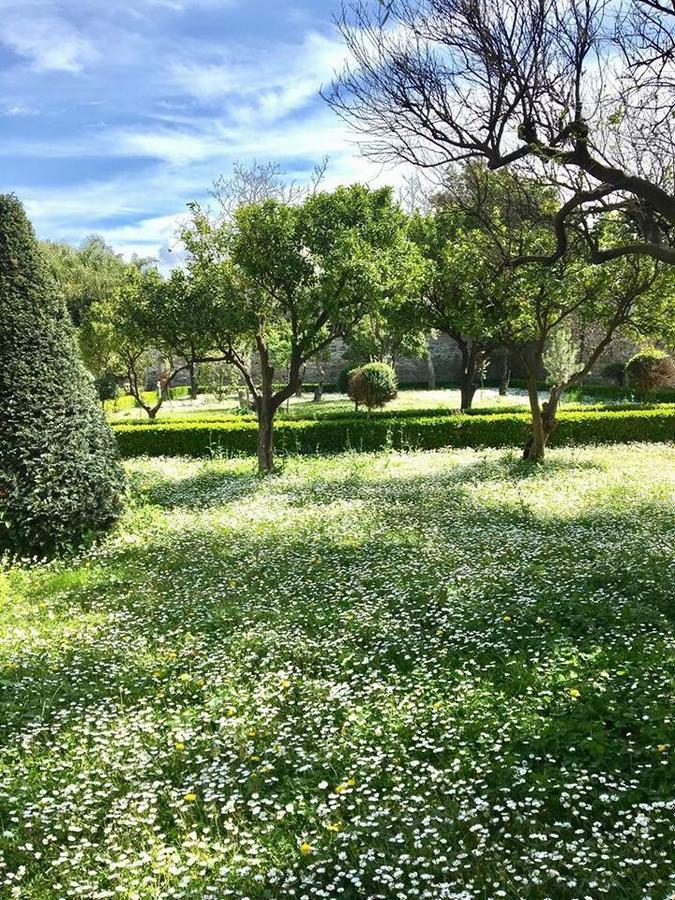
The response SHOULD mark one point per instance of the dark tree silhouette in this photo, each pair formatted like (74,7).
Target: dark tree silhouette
(580,91)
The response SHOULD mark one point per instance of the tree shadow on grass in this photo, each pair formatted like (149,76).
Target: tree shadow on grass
(206,490)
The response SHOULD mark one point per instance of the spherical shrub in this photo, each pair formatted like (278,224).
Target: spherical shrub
(373,385)
(651,369)
(60,477)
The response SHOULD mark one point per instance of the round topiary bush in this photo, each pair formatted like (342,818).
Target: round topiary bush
(60,476)
(651,369)
(373,385)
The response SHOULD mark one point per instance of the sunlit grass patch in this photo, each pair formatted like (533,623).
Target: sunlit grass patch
(432,675)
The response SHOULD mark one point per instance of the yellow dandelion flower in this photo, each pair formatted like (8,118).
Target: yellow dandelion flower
(285,683)
(333,826)
(574,693)
(507,618)
(185,677)
(351,782)
(305,847)
(662,747)
(190,797)
(230,711)
(179,745)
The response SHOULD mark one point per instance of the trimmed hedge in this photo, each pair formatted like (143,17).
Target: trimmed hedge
(325,414)
(423,433)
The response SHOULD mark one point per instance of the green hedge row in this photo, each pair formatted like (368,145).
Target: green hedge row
(423,433)
(305,413)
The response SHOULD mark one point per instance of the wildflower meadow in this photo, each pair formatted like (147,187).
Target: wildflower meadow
(423,675)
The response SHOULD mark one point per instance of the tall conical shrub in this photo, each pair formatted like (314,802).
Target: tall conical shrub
(60,478)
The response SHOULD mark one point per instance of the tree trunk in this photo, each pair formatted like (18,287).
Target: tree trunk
(431,371)
(265,437)
(193,380)
(506,376)
(467,382)
(266,411)
(467,391)
(535,444)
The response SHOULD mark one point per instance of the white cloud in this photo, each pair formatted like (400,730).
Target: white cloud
(35,31)
(266,83)
(18,109)
(194,120)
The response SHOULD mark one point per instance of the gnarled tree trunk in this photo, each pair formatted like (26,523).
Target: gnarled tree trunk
(544,421)
(472,355)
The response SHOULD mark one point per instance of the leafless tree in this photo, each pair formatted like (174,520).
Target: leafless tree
(262,181)
(566,88)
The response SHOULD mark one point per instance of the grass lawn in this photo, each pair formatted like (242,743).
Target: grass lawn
(207,408)
(440,675)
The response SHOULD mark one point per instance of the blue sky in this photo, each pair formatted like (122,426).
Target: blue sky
(114,115)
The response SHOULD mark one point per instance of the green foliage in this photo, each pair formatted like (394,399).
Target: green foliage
(650,369)
(87,274)
(420,432)
(342,381)
(560,355)
(107,386)
(60,480)
(372,385)
(218,379)
(616,371)
(291,278)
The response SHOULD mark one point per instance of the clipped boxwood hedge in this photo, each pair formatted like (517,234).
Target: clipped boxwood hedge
(360,433)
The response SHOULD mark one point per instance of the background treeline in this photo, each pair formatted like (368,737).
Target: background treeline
(265,288)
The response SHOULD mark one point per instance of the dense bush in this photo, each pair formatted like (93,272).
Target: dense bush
(342,382)
(372,385)
(107,386)
(615,371)
(651,369)
(60,479)
(422,432)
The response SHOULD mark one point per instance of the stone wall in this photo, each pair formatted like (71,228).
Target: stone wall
(446,363)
